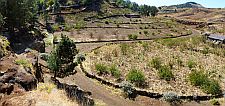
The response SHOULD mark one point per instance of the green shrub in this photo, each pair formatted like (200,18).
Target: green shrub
(80,25)
(106,22)
(165,73)
(156,63)
(55,27)
(145,45)
(114,71)
(215,102)
(198,78)
(23,62)
(169,34)
(67,28)
(191,64)
(132,37)
(124,48)
(205,50)
(136,77)
(101,69)
(211,87)
(146,33)
(153,34)
(189,32)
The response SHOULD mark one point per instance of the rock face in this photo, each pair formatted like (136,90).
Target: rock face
(39,46)
(17,79)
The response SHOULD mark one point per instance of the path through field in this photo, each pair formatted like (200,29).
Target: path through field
(98,92)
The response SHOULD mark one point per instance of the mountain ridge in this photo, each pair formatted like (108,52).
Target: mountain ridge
(185,5)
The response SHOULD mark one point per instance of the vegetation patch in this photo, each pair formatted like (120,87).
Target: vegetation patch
(156,63)
(101,69)
(114,71)
(132,37)
(23,62)
(165,73)
(198,78)
(136,77)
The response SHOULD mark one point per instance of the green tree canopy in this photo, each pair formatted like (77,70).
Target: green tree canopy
(18,14)
(62,59)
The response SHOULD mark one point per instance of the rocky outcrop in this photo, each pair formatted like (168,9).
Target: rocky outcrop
(17,79)
(39,46)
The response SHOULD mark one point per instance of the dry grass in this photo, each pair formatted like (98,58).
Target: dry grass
(45,95)
(137,57)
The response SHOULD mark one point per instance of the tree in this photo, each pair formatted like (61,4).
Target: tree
(153,10)
(135,7)
(18,14)
(144,10)
(61,61)
(148,10)
(66,50)
(54,63)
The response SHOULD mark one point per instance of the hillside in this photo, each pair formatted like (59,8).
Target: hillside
(185,5)
(110,53)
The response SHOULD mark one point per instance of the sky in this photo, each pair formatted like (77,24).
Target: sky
(205,3)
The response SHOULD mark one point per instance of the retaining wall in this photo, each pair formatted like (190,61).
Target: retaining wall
(146,93)
(75,93)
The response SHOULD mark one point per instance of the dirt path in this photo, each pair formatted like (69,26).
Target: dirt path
(98,92)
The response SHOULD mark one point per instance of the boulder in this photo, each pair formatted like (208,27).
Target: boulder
(18,79)
(38,46)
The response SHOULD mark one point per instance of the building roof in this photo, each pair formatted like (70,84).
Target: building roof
(216,37)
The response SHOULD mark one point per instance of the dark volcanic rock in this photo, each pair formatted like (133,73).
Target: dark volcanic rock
(16,80)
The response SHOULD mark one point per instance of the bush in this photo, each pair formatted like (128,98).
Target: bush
(80,25)
(211,87)
(132,37)
(146,33)
(191,64)
(165,73)
(198,78)
(101,69)
(136,77)
(124,48)
(106,22)
(145,46)
(205,50)
(23,62)
(169,34)
(156,63)
(67,27)
(171,97)
(215,102)
(115,71)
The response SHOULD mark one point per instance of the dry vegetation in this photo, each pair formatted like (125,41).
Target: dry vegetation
(46,95)
(144,28)
(181,56)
